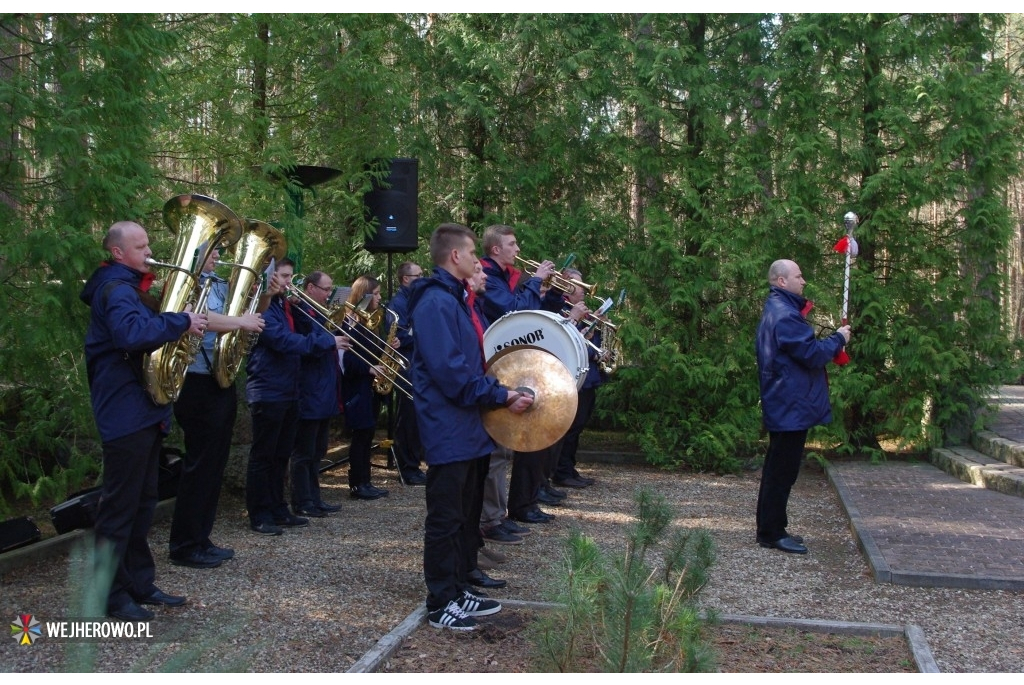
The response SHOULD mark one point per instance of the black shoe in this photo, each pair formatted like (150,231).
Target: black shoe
(197,558)
(514,528)
(130,611)
(415,478)
(381,492)
(544,498)
(500,536)
(362,492)
(480,579)
(786,544)
(571,482)
(291,521)
(796,538)
(222,553)
(560,494)
(532,517)
(311,511)
(161,598)
(266,528)
(328,508)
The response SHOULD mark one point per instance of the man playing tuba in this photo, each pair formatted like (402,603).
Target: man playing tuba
(206,413)
(125,325)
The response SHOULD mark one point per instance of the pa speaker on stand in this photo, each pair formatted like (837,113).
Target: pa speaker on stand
(394,204)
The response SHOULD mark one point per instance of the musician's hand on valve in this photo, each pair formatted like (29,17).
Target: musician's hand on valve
(197,323)
(377,371)
(343,342)
(578,311)
(546,268)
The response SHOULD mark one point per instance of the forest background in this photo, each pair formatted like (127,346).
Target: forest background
(676,156)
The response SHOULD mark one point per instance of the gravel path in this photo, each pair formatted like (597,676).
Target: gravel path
(317,598)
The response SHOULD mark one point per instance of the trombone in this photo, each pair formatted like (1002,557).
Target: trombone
(557,280)
(362,350)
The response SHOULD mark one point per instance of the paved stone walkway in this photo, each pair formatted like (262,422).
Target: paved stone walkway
(919,526)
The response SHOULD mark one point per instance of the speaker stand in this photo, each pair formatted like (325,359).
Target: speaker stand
(389,444)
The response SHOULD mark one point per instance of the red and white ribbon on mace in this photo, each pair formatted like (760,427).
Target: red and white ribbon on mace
(848,245)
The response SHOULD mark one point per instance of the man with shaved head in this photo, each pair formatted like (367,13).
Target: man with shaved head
(125,325)
(794,396)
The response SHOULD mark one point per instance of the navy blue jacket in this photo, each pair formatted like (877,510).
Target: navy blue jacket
(791,365)
(449,385)
(319,373)
(500,299)
(121,330)
(400,305)
(357,388)
(276,358)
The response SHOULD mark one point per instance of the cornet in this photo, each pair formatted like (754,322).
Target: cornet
(557,280)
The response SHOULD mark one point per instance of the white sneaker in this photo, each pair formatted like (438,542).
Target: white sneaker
(477,606)
(452,616)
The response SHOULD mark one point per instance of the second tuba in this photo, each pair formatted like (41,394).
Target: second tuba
(201,225)
(260,243)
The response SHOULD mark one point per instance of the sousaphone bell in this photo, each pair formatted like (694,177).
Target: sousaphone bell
(547,420)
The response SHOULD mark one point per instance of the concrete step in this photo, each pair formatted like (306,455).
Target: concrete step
(974,467)
(1005,450)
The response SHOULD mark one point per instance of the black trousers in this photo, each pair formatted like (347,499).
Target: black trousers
(310,447)
(359,456)
(409,449)
(530,471)
(274,426)
(451,531)
(206,413)
(780,471)
(566,467)
(127,501)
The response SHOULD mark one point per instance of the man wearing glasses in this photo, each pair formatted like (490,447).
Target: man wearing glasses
(320,390)
(409,449)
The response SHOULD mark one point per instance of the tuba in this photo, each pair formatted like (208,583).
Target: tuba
(260,243)
(201,224)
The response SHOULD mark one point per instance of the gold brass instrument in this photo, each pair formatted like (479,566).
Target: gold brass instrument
(382,384)
(260,243)
(611,347)
(557,280)
(373,351)
(202,225)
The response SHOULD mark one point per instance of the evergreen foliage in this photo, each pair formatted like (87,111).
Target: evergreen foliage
(621,613)
(677,155)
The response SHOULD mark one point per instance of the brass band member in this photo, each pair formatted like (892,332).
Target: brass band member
(407,435)
(357,391)
(206,413)
(124,325)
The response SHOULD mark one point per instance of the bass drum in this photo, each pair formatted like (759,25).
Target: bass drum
(537,328)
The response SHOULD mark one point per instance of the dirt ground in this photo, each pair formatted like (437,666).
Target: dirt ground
(500,645)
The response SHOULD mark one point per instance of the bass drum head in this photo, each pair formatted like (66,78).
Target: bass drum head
(548,331)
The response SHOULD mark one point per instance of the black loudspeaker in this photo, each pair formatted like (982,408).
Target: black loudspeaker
(78,511)
(18,532)
(393,203)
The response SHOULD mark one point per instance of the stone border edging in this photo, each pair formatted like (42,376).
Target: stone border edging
(919,649)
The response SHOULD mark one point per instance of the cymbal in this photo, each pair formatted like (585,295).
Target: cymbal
(548,419)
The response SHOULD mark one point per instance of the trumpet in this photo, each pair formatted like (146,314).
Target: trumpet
(557,280)
(374,351)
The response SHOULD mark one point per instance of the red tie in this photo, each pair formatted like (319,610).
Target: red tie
(288,315)
(470,300)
